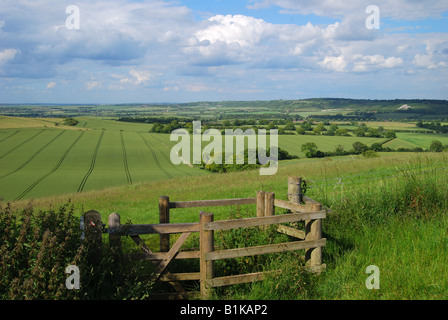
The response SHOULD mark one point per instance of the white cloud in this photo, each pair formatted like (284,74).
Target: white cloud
(140,76)
(427,60)
(7,55)
(334,63)
(90,85)
(51,85)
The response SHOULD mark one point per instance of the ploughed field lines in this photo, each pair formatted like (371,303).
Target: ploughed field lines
(45,162)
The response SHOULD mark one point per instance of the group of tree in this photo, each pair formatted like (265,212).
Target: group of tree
(70,121)
(362,130)
(165,128)
(435,125)
(311,149)
(244,163)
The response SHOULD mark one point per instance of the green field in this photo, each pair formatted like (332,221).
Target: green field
(412,140)
(37,161)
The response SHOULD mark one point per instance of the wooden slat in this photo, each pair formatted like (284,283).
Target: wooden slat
(164,228)
(170,255)
(270,248)
(180,276)
(176,285)
(295,207)
(237,279)
(261,221)
(211,203)
(291,232)
(162,256)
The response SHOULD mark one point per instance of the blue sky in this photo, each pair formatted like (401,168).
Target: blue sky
(189,50)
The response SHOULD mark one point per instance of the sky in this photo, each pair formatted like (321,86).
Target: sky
(148,51)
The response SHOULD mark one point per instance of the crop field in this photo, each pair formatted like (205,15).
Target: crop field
(410,140)
(36,162)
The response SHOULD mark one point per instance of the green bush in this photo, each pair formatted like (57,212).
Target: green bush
(37,247)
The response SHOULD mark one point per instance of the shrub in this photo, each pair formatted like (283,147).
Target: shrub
(36,248)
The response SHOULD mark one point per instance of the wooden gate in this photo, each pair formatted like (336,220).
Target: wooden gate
(302,209)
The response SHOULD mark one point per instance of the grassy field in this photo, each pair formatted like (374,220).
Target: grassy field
(412,140)
(389,212)
(36,162)
(37,159)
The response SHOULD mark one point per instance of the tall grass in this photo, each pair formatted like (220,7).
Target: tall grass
(397,224)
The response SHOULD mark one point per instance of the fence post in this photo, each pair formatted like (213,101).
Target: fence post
(295,189)
(94,233)
(269,204)
(206,239)
(114,240)
(164,217)
(260,203)
(313,231)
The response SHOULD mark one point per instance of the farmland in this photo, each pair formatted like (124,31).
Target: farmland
(39,162)
(387,210)
(43,157)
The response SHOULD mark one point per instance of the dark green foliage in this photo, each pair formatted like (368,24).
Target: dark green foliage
(70,121)
(37,247)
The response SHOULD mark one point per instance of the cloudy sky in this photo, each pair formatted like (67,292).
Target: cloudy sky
(142,51)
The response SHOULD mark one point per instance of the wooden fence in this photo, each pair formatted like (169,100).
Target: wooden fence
(301,207)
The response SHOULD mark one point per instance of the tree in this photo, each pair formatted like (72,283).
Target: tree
(290,126)
(334,127)
(341,132)
(317,131)
(339,149)
(359,147)
(300,130)
(70,121)
(359,132)
(306,126)
(436,146)
(376,146)
(390,134)
(310,149)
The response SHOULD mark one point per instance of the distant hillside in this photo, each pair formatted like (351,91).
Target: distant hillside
(423,106)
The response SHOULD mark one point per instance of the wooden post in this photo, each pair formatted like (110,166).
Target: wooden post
(260,203)
(313,231)
(295,189)
(206,239)
(94,233)
(164,217)
(269,204)
(114,240)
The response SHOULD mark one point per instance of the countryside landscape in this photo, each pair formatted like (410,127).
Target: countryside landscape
(382,178)
(223,155)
